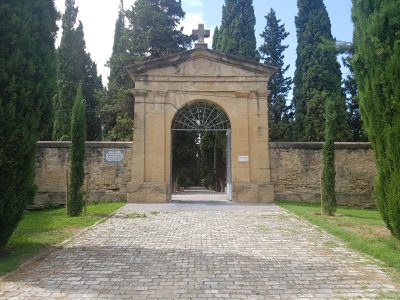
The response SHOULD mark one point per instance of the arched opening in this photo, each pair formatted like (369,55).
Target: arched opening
(201,147)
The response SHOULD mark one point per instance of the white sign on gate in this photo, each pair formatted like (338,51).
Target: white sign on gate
(243,158)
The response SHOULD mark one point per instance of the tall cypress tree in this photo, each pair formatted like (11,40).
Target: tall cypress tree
(91,90)
(272,53)
(71,59)
(117,101)
(317,77)
(215,38)
(236,35)
(119,52)
(328,198)
(77,156)
(27,81)
(377,66)
(75,67)
(350,89)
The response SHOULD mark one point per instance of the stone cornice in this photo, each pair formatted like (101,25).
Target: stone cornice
(173,60)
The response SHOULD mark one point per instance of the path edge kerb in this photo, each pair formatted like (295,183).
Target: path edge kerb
(51,249)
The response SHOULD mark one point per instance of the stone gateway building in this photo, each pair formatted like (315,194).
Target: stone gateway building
(203,90)
(197,90)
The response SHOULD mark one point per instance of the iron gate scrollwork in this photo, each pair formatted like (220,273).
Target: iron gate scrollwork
(201,116)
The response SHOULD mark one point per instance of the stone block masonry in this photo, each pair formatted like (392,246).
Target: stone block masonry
(107,180)
(296,171)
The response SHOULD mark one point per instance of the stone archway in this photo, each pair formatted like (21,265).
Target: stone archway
(204,120)
(165,85)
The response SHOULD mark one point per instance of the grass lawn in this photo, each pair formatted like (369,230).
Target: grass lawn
(360,229)
(39,230)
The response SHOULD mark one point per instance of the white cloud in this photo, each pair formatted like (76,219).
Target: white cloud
(98,18)
(192,21)
(193,3)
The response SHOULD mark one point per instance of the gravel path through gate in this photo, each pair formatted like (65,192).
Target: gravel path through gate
(201,251)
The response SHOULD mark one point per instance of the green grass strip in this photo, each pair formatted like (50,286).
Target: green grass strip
(359,229)
(39,230)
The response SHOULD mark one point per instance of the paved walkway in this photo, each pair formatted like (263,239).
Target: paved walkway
(194,194)
(201,251)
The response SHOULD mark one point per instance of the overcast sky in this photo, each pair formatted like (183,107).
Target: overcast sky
(99,16)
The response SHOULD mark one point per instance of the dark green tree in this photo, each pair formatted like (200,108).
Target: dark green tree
(119,52)
(77,156)
(213,160)
(236,35)
(328,195)
(71,59)
(27,81)
(272,53)
(185,162)
(350,89)
(215,38)
(317,77)
(75,67)
(377,67)
(117,101)
(154,29)
(91,91)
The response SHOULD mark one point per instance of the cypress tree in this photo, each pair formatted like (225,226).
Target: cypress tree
(91,92)
(213,160)
(71,59)
(119,52)
(27,81)
(317,76)
(117,101)
(377,67)
(350,89)
(272,53)
(215,38)
(236,35)
(328,177)
(77,156)
(75,67)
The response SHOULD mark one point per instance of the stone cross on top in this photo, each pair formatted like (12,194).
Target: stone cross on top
(200,34)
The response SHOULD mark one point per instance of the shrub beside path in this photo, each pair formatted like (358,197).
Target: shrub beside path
(200,251)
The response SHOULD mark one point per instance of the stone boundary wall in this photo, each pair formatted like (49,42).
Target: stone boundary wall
(296,170)
(107,181)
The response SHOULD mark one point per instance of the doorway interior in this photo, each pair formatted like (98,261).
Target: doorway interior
(201,153)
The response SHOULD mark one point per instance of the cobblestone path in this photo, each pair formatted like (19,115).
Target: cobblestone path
(201,252)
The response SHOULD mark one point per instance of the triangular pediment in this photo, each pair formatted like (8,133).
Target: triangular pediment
(200,62)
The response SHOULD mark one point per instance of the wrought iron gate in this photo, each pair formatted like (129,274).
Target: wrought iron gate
(205,116)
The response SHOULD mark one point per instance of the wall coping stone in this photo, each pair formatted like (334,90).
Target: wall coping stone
(67,144)
(317,145)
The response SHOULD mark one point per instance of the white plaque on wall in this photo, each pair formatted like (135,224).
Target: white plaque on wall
(243,158)
(114,156)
